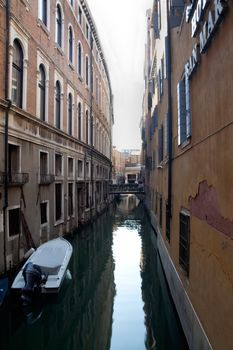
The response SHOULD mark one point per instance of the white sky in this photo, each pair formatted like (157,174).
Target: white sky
(121,25)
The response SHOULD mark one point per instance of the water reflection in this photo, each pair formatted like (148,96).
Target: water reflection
(117,298)
(81,316)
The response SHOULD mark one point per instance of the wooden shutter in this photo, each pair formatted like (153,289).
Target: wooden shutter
(181,104)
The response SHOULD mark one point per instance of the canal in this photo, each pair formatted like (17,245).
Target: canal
(116,299)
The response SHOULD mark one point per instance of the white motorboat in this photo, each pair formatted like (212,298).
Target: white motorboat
(44,270)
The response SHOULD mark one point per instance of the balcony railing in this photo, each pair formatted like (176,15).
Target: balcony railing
(46,179)
(17,179)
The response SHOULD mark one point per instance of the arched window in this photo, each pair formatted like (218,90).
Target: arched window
(87,127)
(58,26)
(79,59)
(58,105)
(43,11)
(42,92)
(97,90)
(70,114)
(87,70)
(79,121)
(70,45)
(17,74)
(92,129)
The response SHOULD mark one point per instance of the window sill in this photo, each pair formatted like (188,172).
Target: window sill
(11,238)
(43,27)
(46,224)
(59,222)
(59,49)
(185,143)
(71,66)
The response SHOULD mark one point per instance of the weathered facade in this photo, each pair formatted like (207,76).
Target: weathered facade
(56,116)
(187,131)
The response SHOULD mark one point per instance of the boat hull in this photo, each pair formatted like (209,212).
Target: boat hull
(52,258)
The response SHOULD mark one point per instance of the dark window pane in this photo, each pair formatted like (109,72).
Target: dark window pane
(58,105)
(58,201)
(70,45)
(184,242)
(14,222)
(43,213)
(79,59)
(42,92)
(70,199)
(79,121)
(70,114)
(59,25)
(17,74)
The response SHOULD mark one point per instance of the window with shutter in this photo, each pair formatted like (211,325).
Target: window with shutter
(160,148)
(184,241)
(181,103)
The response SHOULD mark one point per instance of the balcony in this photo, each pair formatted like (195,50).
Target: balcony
(46,179)
(17,179)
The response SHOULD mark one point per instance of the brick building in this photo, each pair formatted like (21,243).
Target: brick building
(187,132)
(56,116)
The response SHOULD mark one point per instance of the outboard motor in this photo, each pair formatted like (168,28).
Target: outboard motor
(33,278)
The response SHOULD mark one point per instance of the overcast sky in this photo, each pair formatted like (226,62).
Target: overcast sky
(121,25)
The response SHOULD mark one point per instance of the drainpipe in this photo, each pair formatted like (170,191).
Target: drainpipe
(169,115)
(6,131)
(91,121)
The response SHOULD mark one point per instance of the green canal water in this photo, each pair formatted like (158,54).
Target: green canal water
(117,298)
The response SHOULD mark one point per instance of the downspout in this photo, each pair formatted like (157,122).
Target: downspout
(6,131)
(91,121)
(169,116)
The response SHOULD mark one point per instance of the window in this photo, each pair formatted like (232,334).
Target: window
(184,241)
(79,59)
(70,200)
(70,114)
(17,74)
(92,79)
(70,167)
(87,31)
(42,92)
(80,168)
(70,43)
(87,196)
(79,121)
(58,26)
(72,3)
(184,113)
(80,16)
(97,90)
(58,202)
(43,213)
(43,11)
(58,165)
(160,210)
(160,148)
(43,163)
(92,129)
(87,169)
(14,226)
(58,105)
(13,160)
(87,70)
(87,126)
